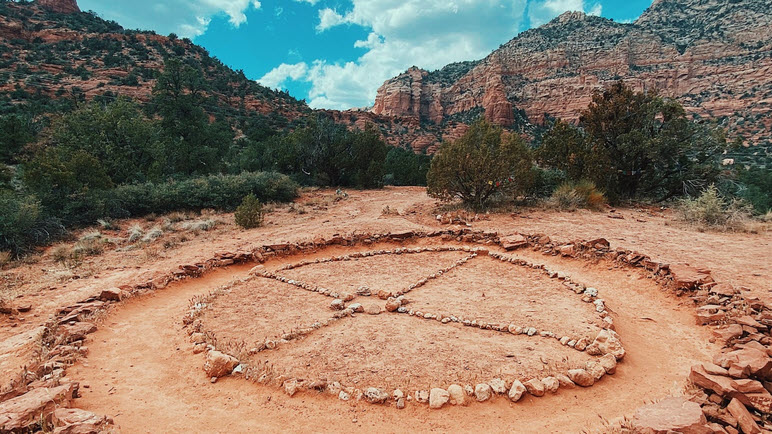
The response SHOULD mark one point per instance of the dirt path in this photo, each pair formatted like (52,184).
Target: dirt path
(141,371)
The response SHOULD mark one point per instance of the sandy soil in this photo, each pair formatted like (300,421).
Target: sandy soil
(142,372)
(489,290)
(388,272)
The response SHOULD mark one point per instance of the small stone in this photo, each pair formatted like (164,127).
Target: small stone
(398,394)
(373,309)
(565,382)
(457,395)
(581,377)
(551,384)
(392,304)
(383,294)
(535,387)
(482,392)
(607,342)
(438,397)
(337,304)
(219,364)
(401,403)
(291,387)
(374,395)
(609,363)
(198,338)
(356,307)
(422,396)
(517,391)
(498,385)
(596,370)
(364,291)
(343,396)
(347,296)
(581,344)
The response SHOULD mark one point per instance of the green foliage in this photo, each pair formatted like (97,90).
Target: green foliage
(582,194)
(635,145)
(405,167)
(710,209)
(223,192)
(16,130)
(23,223)
(128,145)
(249,214)
(754,186)
(480,164)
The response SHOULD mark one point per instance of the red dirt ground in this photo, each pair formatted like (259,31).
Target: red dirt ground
(141,370)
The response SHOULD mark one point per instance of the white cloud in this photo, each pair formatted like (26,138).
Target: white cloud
(311,2)
(426,33)
(542,11)
(279,75)
(187,18)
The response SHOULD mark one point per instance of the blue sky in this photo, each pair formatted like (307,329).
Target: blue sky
(335,53)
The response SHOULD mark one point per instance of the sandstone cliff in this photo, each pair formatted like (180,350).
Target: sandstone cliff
(60,6)
(714,56)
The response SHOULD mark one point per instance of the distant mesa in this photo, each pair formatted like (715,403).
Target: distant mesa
(60,6)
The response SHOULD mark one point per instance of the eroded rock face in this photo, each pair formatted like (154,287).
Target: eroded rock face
(60,6)
(38,404)
(555,69)
(671,415)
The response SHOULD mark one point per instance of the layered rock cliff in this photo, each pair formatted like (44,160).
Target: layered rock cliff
(714,56)
(60,6)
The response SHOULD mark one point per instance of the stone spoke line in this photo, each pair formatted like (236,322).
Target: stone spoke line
(606,345)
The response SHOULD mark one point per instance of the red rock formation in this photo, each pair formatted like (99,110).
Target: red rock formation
(60,6)
(712,55)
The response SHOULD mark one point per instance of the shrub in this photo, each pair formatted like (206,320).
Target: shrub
(479,165)
(135,233)
(23,224)
(88,247)
(582,194)
(5,258)
(250,213)
(200,225)
(223,192)
(712,210)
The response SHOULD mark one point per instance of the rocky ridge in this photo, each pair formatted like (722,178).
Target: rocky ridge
(713,56)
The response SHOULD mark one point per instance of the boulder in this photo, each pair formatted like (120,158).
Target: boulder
(77,421)
(671,415)
(373,395)
(457,395)
(218,364)
(743,416)
(438,397)
(748,361)
(595,369)
(607,342)
(714,381)
(535,387)
(482,392)
(581,377)
(23,411)
(516,391)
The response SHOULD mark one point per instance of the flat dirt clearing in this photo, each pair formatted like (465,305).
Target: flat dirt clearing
(141,369)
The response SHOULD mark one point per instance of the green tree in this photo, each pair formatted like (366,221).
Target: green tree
(564,147)
(480,164)
(16,130)
(118,135)
(404,167)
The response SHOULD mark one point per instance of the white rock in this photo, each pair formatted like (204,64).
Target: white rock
(438,397)
(482,392)
(516,391)
(457,394)
(498,385)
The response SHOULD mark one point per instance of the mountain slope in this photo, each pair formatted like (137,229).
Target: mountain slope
(714,56)
(52,55)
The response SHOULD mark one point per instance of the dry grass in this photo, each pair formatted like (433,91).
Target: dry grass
(583,194)
(711,211)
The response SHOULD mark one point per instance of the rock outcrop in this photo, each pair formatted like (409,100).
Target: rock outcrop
(713,56)
(60,6)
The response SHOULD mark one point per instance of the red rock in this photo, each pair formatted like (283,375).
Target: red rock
(568,250)
(743,416)
(717,383)
(581,377)
(726,334)
(111,294)
(686,277)
(77,421)
(749,361)
(77,331)
(513,242)
(38,404)
(60,6)
(671,415)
